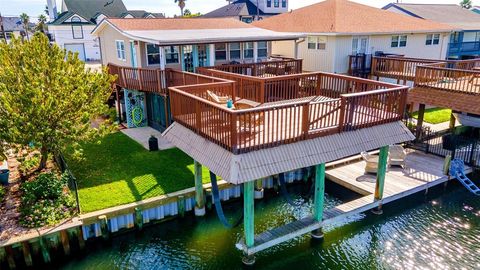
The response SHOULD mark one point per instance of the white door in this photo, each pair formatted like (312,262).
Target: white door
(360,44)
(77,48)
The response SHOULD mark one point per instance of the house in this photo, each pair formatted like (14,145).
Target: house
(72,28)
(339,28)
(250,10)
(14,27)
(476,9)
(160,48)
(465,42)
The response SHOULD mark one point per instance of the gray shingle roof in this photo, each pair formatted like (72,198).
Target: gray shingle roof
(14,24)
(451,14)
(237,8)
(89,9)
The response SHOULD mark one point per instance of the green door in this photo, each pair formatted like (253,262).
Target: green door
(156,112)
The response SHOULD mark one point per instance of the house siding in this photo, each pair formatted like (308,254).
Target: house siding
(63,35)
(109,50)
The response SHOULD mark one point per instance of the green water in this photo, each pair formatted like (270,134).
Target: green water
(439,231)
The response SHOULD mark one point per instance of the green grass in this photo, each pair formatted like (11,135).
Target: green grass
(435,115)
(118,171)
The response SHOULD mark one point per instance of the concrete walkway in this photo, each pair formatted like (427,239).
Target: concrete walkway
(142,134)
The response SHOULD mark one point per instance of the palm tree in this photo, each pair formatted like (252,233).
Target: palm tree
(42,23)
(181,5)
(25,20)
(466,4)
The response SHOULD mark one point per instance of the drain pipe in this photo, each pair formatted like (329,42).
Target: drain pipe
(297,42)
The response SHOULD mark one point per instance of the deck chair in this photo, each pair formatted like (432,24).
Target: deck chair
(397,155)
(371,162)
(217,99)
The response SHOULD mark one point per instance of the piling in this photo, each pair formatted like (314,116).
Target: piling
(81,241)
(181,205)
(103,226)
(381,173)
(199,193)
(65,242)
(248,220)
(10,257)
(44,250)
(319,199)
(138,218)
(27,254)
(259,189)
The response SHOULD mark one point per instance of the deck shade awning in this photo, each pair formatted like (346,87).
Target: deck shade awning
(167,32)
(250,166)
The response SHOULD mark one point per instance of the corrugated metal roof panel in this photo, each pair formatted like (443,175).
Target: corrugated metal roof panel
(258,164)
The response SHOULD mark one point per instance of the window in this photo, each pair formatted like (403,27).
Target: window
(399,41)
(432,39)
(317,43)
(120,44)
(269,3)
(262,49)
(77,29)
(284,3)
(455,37)
(171,54)
(248,50)
(247,19)
(153,54)
(221,51)
(312,43)
(276,3)
(234,50)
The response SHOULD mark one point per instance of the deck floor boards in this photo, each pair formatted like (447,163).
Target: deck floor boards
(422,171)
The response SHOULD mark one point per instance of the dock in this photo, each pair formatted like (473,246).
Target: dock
(422,171)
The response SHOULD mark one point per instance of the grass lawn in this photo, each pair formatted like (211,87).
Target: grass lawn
(435,115)
(119,171)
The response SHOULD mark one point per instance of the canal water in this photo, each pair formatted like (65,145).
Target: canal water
(438,231)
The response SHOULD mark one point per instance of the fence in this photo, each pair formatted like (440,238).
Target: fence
(72,181)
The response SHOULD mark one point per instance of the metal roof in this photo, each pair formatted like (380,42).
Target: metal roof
(258,164)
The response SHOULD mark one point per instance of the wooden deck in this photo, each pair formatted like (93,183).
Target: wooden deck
(422,172)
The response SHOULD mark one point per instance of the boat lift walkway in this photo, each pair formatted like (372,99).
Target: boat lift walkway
(423,171)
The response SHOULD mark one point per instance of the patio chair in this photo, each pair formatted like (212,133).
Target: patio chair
(217,99)
(397,155)
(371,162)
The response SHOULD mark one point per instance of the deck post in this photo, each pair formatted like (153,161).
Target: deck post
(248,220)
(421,114)
(319,198)
(259,189)
(381,172)
(453,120)
(199,194)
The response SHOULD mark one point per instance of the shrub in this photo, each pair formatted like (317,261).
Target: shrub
(29,163)
(2,193)
(46,201)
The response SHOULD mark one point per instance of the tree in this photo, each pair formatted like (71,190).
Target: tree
(48,98)
(41,24)
(466,4)
(181,5)
(189,14)
(25,21)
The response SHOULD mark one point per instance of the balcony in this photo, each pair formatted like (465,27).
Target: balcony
(271,111)
(399,68)
(459,48)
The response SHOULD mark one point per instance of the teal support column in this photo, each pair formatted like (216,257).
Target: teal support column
(248,219)
(319,199)
(381,172)
(199,194)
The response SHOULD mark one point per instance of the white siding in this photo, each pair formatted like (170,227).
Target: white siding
(63,35)
(415,46)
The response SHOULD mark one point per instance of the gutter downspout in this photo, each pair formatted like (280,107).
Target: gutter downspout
(297,42)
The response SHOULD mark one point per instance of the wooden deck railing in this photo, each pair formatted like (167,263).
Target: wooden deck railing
(399,68)
(356,103)
(263,69)
(155,80)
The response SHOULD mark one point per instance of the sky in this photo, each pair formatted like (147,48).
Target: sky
(36,7)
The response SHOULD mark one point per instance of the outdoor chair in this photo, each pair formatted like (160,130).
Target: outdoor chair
(397,155)
(217,99)
(371,162)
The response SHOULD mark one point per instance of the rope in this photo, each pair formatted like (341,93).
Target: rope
(218,205)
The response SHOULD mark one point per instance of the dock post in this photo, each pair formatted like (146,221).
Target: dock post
(248,220)
(104,226)
(138,218)
(65,242)
(421,114)
(44,249)
(381,172)
(259,189)
(453,120)
(26,254)
(319,199)
(10,257)
(199,194)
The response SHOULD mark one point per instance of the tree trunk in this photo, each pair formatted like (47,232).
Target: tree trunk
(43,161)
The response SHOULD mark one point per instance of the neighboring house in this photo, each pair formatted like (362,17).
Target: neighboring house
(476,9)
(464,43)
(73,26)
(178,44)
(339,28)
(248,11)
(13,27)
